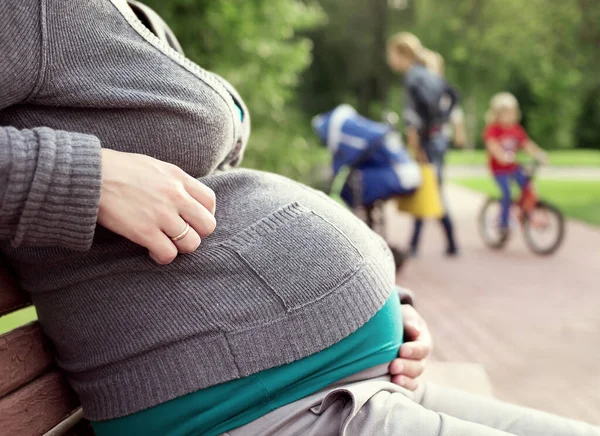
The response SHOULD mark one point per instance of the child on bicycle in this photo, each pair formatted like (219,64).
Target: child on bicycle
(504,137)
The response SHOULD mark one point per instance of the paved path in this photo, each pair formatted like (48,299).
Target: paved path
(534,323)
(564,173)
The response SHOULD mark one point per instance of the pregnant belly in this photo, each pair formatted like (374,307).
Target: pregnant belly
(279,249)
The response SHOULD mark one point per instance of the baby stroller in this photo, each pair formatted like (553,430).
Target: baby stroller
(369,162)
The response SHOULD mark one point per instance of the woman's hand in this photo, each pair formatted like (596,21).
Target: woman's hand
(414,352)
(413,143)
(422,157)
(150,202)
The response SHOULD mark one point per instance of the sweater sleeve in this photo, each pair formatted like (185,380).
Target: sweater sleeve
(49,180)
(50,185)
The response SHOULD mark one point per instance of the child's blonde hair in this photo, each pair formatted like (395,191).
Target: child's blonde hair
(500,101)
(433,61)
(408,45)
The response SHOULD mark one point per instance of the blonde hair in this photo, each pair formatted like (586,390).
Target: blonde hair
(408,45)
(500,101)
(433,61)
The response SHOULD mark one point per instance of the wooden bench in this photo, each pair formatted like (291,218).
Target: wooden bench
(35,398)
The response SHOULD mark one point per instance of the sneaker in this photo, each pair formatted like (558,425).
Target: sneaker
(504,233)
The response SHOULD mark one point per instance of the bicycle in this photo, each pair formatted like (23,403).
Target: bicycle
(542,222)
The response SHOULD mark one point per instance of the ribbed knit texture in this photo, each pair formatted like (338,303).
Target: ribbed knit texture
(286,274)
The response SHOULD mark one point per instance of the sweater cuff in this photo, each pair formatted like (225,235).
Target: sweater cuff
(61,205)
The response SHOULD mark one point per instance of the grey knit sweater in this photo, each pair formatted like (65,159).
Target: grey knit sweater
(286,274)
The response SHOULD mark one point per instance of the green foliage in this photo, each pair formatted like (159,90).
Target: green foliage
(535,49)
(17,319)
(349,58)
(588,125)
(290,149)
(546,52)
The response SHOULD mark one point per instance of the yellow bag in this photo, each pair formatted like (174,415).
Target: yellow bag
(426,202)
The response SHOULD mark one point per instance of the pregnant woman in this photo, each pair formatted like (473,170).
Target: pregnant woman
(283,321)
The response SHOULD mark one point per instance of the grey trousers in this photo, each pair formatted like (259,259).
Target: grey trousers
(369,404)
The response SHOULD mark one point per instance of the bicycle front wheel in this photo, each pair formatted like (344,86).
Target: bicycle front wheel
(544,228)
(489,224)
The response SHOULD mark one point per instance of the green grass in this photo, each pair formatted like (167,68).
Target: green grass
(578,199)
(17,319)
(559,158)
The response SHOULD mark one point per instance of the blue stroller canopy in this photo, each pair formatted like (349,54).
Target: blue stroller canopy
(375,153)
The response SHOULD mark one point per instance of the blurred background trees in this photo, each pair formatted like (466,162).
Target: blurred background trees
(291,59)
(547,52)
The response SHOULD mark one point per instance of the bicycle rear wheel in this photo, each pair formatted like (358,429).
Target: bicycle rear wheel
(489,224)
(544,228)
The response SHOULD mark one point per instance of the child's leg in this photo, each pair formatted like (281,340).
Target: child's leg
(523,180)
(503,181)
(525,184)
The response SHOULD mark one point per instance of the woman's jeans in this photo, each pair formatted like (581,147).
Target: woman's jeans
(504,181)
(435,148)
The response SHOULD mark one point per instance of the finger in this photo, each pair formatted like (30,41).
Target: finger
(408,368)
(202,194)
(411,331)
(406,382)
(415,350)
(189,243)
(201,219)
(160,247)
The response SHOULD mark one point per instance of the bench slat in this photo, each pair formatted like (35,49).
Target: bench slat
(24,355)
(11,298)
(38,407)
(67,424)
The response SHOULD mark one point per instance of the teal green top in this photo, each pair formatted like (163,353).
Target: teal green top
(240,112)
(230,405)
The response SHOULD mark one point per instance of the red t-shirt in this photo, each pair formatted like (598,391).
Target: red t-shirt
(511,139)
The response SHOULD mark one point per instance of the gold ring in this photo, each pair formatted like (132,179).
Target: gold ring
(182,234)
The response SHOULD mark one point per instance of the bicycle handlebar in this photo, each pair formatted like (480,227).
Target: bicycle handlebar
(531,168)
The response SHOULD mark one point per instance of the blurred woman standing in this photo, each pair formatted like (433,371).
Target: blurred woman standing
(424,117)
